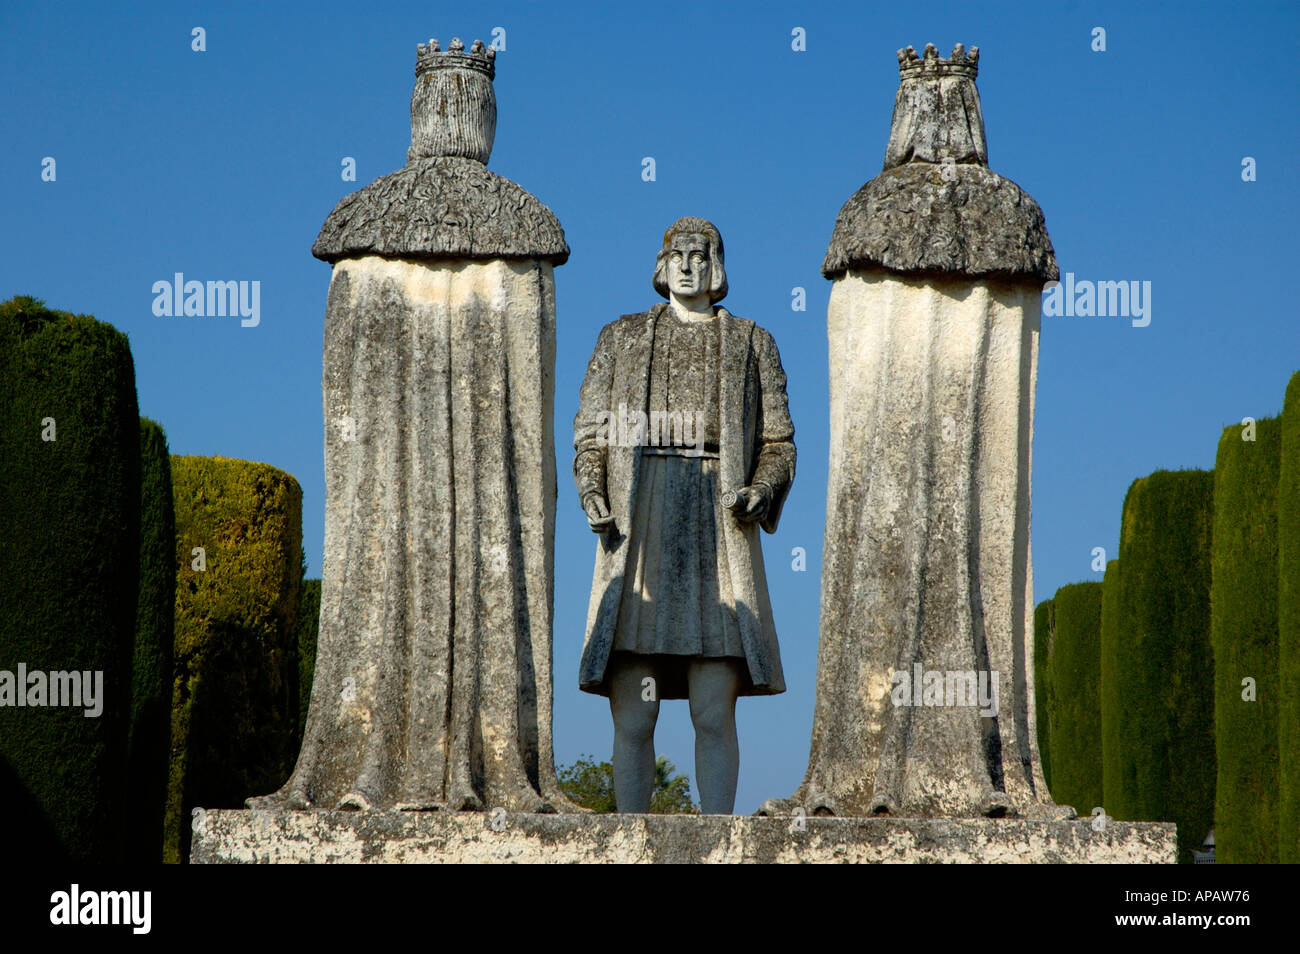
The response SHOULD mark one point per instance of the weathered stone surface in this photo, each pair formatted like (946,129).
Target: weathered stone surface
(926,552)
(453,107)
(242,837)
(756,441)
(433,680)
(937,208)
(679,597)
(442,207)
(445,203)
(927,580)
(943,219)
(433,674)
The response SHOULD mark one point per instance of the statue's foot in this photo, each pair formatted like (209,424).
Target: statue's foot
(294,799)
(997,805)
(419,805)
(539,805)
(882,805)
(803,802)
(821,805)
(462,798)
(777,808)
(562,805)
(354,801)
(1001,805)
(526,800)
(1050,811)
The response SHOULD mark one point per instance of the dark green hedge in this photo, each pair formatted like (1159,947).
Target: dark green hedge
(1163,762)
(1243,603)
(1076,697)
(1288,622)
(149,736)
(1106,684)
(308,627)
(1042,682)
(69,558)
(235,703)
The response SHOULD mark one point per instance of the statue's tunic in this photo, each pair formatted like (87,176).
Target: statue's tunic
(667,509)
(676,602)
(684,378)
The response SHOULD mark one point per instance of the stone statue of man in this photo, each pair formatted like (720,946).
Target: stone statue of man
(684,448)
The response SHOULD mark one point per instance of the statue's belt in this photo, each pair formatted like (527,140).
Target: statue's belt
(707,452)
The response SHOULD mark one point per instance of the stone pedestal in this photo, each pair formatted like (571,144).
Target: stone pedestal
(285,837)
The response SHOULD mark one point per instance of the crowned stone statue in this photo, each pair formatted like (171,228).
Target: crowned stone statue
(433,680)
(924,688)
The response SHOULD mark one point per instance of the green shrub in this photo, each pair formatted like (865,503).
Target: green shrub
(591,784)
(149,734)
(1042,683)
(1075,704)
(1243,603)
(1106,688)
(234,703)
(308,627)
(1163,764)
(1288,625)
(69,559)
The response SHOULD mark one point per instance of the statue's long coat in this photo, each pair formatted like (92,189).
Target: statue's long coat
(756,443)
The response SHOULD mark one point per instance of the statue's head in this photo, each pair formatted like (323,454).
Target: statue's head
(690,261)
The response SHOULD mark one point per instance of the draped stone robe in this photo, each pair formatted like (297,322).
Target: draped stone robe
(926,559)
(756,444)
(433,682)
(933,325)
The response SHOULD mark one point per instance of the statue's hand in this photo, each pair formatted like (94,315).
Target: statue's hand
(750,503)
(598,516)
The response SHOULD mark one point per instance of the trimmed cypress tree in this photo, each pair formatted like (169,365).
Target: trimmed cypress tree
(149,734)
(1288,624)
(1075,704)
(239,572)
(1110,587)
(69,559)
(1243,603)
(1042,684)
(1163,763)
(308,627)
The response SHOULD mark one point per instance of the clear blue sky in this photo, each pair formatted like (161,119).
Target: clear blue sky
(223,165)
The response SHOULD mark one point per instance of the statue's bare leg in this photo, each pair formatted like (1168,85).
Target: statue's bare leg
(714,685)
(634,731)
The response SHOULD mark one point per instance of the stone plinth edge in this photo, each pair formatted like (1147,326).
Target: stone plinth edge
(229,836)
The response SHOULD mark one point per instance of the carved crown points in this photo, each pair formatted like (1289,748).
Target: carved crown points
(479,57)
(930,63)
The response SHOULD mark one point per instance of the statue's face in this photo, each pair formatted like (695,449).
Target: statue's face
(688,265)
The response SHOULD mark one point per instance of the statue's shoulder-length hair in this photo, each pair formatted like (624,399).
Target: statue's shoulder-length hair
(717,272)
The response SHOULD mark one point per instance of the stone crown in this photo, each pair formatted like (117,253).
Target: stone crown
(930,63)
(432,57)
